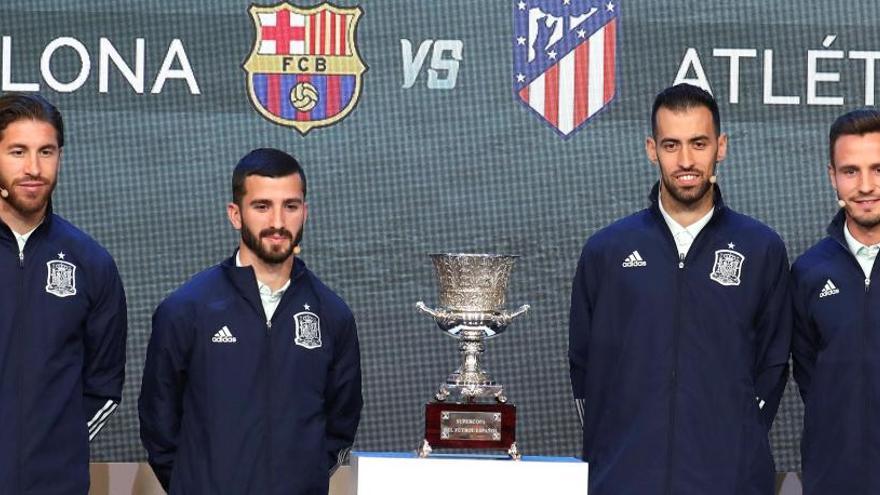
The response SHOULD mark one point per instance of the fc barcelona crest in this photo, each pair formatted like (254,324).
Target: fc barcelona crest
(61,279)
(308,330)
(304,70)
(728,267)
(565,59)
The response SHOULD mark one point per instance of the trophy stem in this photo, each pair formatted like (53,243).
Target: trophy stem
(471,381)
(471,373)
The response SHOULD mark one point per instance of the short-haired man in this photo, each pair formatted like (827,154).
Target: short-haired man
(680,327)
(836,346)
(252,380)
(62,315)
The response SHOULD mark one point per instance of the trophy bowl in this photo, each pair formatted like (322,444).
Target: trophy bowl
(472,292)
(471,283)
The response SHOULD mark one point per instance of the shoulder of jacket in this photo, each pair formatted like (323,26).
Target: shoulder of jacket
(818,255)
(626,226)
(65,232)
(739,220)
(210,282)
(755,229)
(331,303)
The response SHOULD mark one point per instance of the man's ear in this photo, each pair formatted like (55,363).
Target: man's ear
(832,177)
(233,212)
(722,147)
(651,150)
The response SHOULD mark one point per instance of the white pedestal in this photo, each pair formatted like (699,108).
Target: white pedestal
(405,474)
(131,478)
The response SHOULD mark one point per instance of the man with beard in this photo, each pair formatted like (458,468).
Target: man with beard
(680,327)
(252,379)
(836,346)
(62,315)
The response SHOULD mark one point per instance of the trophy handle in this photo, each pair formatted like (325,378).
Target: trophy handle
(522,309)
(504,319)
(421,306)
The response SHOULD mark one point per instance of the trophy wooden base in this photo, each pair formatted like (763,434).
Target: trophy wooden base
(470,426)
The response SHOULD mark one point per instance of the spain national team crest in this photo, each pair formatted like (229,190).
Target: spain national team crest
(565,59)
(304,70)
(61,279)
(308,330)
(728,267)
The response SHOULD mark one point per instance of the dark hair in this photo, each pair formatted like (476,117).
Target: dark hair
(854,123)
(265,162)
(682,97)
(21,106)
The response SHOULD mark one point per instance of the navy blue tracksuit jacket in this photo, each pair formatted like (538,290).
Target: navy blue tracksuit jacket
(235,404)
(681,362)
(836,354)
(62,356)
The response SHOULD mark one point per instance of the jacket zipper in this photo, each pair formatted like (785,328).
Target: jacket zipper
(17,330)
(670,437)
(865,371)
(268,378)
(269,484)
(19,373)
(864,332)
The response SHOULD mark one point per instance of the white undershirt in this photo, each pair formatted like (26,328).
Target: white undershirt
(21,239)
(684,236)
(865,255)
(269,299)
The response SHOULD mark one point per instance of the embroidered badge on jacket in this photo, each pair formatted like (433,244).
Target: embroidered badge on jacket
(728,266)
(308,330)
(61,278)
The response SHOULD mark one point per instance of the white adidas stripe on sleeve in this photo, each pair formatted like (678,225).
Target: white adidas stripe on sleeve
(579,404)
(100,418)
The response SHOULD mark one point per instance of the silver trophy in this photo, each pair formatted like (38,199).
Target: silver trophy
(472,293)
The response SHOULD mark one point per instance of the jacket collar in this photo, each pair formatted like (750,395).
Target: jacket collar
(6,231)
(245,279)
(835,229)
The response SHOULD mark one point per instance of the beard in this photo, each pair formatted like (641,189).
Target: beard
(690,196)
(273,255)
(867,221)
(27,206)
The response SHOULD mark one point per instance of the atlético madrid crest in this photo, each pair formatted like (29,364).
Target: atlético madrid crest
(565,59)
(304,70)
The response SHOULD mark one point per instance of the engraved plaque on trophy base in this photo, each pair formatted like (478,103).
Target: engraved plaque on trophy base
(471,426)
